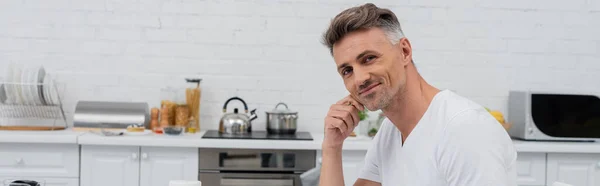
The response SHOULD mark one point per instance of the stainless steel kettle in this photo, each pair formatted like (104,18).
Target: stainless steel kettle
(236,123)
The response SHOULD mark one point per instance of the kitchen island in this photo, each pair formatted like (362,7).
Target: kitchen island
(70,158)
(196,141)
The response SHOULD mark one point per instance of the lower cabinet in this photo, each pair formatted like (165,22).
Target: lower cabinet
(110,165)
(43,181)
(137,166)
(159,165)
(46,164)
(574,169)
(39,160)
(531,169)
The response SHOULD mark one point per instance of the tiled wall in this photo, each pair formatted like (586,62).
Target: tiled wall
(267,51)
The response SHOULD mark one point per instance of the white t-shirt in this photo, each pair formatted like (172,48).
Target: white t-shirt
(456,143)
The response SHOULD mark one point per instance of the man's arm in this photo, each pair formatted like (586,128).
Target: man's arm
(363,182)
(339,123)
(331,170)
(331,167)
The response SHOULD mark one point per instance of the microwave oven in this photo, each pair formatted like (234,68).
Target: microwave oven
(554,116)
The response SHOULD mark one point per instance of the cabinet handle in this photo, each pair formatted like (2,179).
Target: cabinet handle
(134,156)
(19,161)
(144,155)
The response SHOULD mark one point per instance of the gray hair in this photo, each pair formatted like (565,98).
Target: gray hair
(363,17)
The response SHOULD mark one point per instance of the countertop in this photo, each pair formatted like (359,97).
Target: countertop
(196,141)
(59,136)
(556,147)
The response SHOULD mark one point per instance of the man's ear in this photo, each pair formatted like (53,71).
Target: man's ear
(406,50)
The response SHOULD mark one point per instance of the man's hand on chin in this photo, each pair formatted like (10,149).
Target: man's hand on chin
(340,121)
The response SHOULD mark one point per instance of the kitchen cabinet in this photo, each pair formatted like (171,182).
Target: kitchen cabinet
(531,169)
(43,181)
(574,169)
(134,165)
(39,160)
(161,164)
(109,165)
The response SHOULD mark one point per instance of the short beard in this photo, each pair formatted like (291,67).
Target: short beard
(385,99)
(371,102)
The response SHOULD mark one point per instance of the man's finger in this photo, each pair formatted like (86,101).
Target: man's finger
(351,101)
(346,117)
(343,115)
(350,110)
(357,104)
(339,124)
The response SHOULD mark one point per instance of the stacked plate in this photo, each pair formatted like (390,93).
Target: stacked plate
(28,86)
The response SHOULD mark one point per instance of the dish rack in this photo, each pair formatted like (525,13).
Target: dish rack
(27,115)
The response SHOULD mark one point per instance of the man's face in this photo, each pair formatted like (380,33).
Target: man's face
(372,68)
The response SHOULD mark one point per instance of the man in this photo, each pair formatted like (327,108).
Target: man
(429,137)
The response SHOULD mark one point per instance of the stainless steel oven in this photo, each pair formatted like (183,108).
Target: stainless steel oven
(254,167)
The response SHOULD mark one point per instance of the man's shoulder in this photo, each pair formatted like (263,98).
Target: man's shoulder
(472,129)
(465,117)
(452,105)
(475,124)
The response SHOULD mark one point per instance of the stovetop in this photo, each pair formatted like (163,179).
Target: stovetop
(258,135)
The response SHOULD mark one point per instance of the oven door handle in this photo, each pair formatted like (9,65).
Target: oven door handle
(225,181)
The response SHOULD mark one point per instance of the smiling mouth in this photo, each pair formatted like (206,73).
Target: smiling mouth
(366,90)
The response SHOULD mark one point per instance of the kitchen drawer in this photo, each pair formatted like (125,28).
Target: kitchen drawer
(531,169)
(39,160)
(43,181)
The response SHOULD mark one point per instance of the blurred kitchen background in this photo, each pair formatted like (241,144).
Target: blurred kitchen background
(269,51)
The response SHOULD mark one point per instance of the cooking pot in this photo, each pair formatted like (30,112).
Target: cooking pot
(236,123)
(281,121)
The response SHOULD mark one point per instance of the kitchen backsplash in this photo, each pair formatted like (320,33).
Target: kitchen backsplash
(267,51)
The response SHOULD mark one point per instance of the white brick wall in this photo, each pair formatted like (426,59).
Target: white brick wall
(128,50)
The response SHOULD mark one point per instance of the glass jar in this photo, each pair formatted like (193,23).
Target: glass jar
(193,95)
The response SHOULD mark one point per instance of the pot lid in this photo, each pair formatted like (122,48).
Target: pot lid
(281,111)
